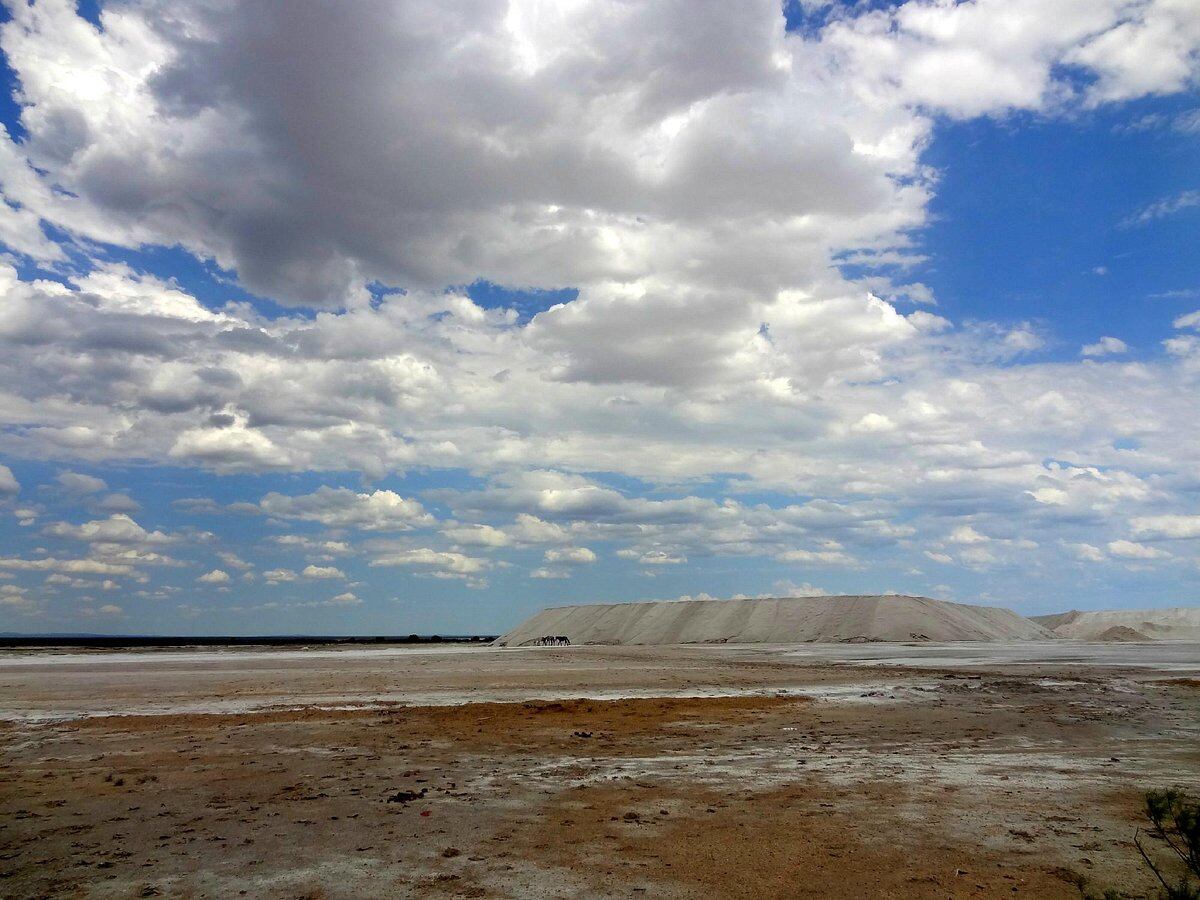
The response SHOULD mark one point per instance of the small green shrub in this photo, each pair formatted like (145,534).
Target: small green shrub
(1174,820)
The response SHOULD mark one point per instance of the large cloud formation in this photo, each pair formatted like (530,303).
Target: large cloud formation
(532,142)
(696,171)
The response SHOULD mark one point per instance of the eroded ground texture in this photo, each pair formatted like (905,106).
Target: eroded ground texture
(690,772)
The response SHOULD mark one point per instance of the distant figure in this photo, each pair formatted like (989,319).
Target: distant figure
(553,640)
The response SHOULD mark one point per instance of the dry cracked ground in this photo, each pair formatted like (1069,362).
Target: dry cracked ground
(432,774)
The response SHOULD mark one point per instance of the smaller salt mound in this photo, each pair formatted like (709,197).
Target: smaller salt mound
(1180,623)
(776,620)
(1121,633)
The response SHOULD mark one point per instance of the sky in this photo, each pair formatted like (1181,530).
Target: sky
(420,317)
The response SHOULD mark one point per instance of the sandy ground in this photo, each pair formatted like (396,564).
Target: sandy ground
(921,771)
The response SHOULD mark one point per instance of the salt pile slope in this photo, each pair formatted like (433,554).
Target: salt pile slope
(1179,623)
(779,620)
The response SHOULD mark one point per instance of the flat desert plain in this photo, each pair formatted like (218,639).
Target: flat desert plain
(879,770)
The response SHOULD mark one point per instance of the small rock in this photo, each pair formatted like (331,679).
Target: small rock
(406,796)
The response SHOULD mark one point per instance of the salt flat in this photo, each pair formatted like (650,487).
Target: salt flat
(1166,657)
(50,684)
(922,770)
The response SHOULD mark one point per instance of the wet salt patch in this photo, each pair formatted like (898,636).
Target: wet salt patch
(394,700)
(1059,682)
(43,716)
(1162,656)
(865,693)
(768,768)
(1122,686)
(875,693)
(340,752)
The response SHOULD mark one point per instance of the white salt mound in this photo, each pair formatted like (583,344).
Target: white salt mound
(1179,623)
(779,620)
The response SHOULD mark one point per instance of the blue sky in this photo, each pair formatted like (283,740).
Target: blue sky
(444,321)
(1028,221)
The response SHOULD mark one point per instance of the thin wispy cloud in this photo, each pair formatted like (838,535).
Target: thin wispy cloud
(1159,209)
